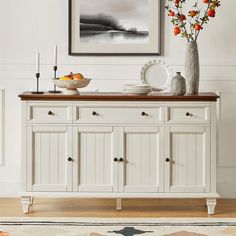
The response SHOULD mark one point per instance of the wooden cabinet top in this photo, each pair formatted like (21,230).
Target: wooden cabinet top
(112,96)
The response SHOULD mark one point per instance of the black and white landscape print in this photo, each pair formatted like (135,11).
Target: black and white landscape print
(114,21)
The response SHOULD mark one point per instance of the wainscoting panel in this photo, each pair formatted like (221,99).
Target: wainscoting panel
(220,79)
(98,71)
(226,137)
(2,129)
(227,130)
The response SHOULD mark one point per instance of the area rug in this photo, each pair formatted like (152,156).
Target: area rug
(108,227)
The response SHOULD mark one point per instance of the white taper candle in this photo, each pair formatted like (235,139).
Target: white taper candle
(37,62)
(55,56)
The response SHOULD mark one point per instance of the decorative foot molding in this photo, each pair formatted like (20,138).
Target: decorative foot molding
(118,204)
(211,204)
(25,202)
(31,201)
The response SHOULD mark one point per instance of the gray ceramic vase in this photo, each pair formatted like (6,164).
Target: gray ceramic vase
(192,71)
(178,85)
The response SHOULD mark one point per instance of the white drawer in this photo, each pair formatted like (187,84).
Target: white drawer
(118,115)
(45,113)
(188,114)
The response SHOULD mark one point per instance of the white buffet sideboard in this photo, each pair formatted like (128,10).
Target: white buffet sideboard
(111,145)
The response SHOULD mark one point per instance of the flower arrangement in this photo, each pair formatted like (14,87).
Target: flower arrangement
(189,25)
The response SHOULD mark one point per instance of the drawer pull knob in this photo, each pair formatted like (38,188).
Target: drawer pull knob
(144,114)
(70,159)
(188,114)
(167,160)
(94,113)
(50,113)
(115,159)
(121,159)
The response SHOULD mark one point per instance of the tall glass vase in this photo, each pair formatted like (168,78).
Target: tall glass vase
(192,71)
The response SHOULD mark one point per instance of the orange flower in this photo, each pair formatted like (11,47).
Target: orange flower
(171,13)
(182,17)
(177,30)
(211,13)
(177,2)
(192,13)
(197,27)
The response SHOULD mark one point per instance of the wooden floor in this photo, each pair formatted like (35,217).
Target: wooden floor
(11,207)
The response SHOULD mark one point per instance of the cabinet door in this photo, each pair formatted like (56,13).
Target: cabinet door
(188,151)
(48,168)
(95,149)
(142,151)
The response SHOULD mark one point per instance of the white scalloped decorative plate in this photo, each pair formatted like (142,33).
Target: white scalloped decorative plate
(157,74)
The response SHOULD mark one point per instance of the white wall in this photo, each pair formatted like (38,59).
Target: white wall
(30,25)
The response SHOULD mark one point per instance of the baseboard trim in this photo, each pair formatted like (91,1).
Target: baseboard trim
(227,190)
(9,189)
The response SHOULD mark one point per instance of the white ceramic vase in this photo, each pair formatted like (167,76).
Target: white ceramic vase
(192,71)
(178,85)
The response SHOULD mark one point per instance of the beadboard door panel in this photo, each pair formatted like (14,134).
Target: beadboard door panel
(47,166)
(94,151)
(142,149)
(189,152)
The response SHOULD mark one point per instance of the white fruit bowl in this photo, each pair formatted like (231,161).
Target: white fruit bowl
(71,86)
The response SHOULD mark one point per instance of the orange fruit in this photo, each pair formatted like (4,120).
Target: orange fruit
(78,76)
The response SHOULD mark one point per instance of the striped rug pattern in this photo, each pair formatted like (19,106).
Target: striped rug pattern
(108,227)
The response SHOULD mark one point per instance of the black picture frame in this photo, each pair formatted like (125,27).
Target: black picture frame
(72,52)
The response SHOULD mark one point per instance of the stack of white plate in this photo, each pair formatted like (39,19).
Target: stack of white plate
(137,89)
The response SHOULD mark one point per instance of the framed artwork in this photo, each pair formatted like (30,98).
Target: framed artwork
(114,27)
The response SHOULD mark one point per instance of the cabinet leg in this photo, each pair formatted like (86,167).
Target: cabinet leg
(211,204)
(31,201)
(118,204)
(25,202)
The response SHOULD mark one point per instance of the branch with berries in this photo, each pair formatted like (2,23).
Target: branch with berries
(189,24)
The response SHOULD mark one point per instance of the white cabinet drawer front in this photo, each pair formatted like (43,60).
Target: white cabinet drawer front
(49,114)
(188,114)
(117,114)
